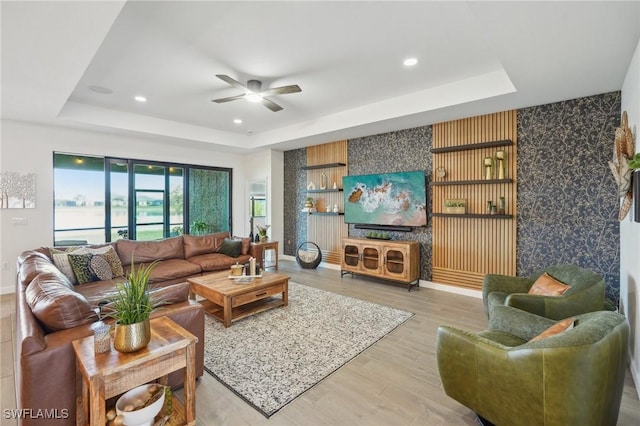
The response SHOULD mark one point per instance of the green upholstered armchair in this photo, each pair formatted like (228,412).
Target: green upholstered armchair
(585,295)
(573,378)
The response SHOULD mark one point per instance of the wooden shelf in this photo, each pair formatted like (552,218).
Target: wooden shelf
(325,190)
(466,147)
(323,166)
(474,216)
(471,182)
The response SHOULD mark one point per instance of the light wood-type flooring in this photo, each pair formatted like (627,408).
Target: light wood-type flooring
(394,382)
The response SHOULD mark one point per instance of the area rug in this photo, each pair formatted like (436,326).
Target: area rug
(271,358)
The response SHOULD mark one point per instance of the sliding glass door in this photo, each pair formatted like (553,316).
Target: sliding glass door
(104,199)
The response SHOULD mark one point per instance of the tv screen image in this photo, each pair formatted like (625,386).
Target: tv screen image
(397,199)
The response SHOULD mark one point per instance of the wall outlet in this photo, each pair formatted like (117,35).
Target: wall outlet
(19,220)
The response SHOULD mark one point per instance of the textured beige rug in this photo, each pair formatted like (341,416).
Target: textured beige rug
(271,358)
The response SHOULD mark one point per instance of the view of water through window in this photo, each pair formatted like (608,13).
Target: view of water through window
(146,206)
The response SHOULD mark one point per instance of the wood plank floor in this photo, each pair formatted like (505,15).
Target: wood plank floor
(395,382)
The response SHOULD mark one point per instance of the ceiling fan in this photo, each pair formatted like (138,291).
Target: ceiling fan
(254,93)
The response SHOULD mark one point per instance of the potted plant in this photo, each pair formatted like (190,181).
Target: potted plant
(199,227)
(262,232)
(455,206)
(131,308)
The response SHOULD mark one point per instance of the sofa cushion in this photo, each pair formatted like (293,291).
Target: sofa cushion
(217,261)
(169,269)
(32,266)
(546,285)
(148,251)
(195,245)
(57,306)
(555,329)
(231,247)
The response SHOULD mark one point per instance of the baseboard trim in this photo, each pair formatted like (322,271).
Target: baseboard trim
(452,289)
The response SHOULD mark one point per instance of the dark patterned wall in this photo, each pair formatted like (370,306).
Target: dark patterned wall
(567,202)
(401,151)
(295,178)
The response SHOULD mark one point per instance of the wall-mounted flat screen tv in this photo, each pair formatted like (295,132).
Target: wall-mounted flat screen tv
(395,199)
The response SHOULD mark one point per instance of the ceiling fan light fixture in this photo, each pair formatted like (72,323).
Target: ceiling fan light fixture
(254,97)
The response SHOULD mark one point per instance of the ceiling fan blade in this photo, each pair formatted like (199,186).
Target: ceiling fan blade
(271,105)
(229,99)
(283,90)
(231,81)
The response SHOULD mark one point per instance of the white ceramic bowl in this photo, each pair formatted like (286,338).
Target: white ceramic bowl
(144,416)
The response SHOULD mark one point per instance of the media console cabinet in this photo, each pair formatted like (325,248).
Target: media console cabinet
(386,259)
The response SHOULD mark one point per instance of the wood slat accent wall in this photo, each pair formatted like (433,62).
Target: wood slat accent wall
(466,248)
(327,231)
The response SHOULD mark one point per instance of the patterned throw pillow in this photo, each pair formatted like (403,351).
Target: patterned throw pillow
(110,255)
(80,265)
(100,267)
(61,260)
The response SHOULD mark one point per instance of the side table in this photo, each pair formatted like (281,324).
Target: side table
(111,373)
(260,248)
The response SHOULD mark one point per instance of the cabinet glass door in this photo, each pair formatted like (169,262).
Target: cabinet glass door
(351,255)
(371,258)
(395,262)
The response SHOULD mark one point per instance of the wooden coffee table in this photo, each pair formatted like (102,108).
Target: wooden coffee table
(228,300)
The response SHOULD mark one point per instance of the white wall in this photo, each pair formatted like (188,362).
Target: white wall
(29,148)
(630,230)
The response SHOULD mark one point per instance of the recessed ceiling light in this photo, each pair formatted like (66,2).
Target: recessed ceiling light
(140,99)
(237,121)
(409,62)
(101,90)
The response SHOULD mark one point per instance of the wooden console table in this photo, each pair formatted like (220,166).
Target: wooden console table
(111,373)
(260,248)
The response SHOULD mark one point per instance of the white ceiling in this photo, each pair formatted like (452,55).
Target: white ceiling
(474,58)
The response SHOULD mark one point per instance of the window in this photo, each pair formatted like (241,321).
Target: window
(144,200)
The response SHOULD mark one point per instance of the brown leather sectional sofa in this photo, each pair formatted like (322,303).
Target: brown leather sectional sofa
(51,312)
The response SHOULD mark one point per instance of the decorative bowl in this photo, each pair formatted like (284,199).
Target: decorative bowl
(143,416)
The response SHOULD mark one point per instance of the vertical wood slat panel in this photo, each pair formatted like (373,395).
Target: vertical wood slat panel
(465,249)
(327,231)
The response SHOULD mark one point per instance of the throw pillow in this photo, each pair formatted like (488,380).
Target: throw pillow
(80,266)
(555,329)
(246,243)
(100,268)
(61,260)
(110,255)
(546,285)
(231,248)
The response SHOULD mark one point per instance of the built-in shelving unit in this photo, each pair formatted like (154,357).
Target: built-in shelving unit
(326,165)
(471,182)
(323,166)
(468,245)
(472,146)
(474,216)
